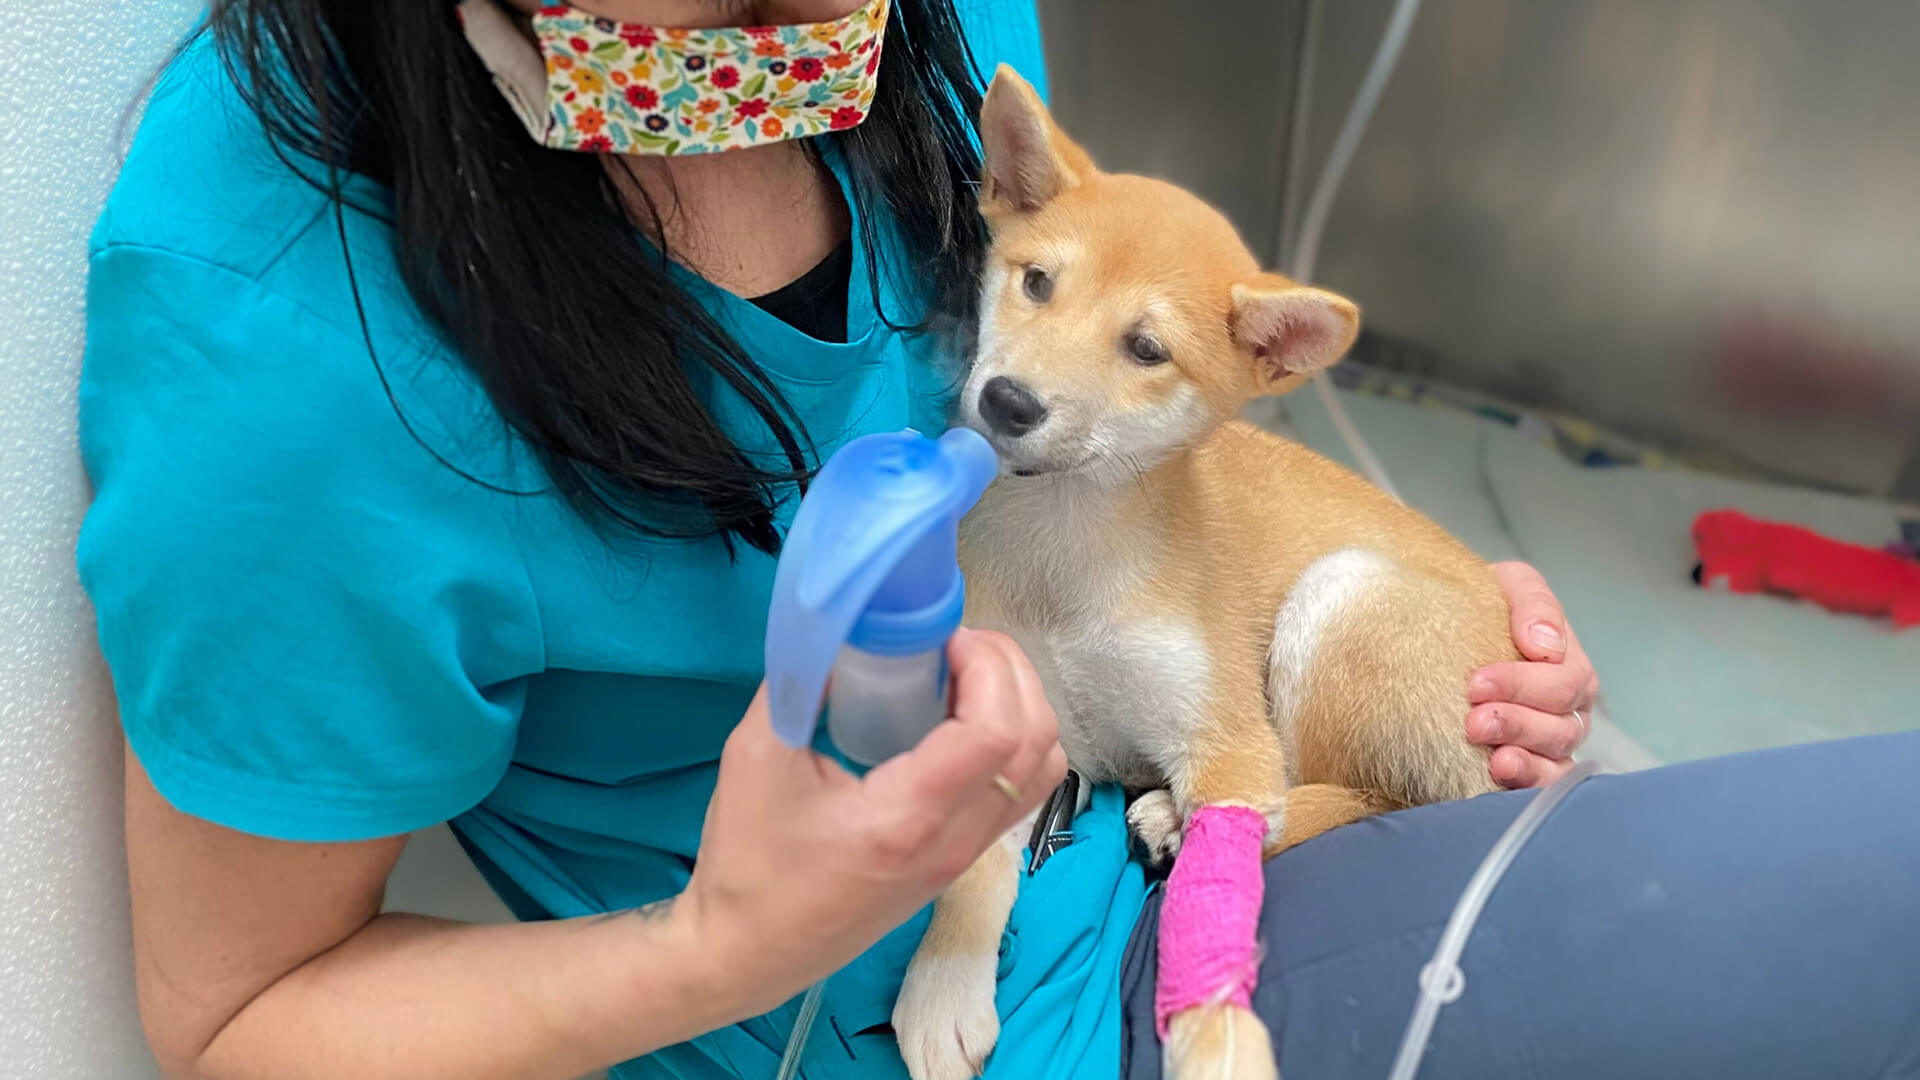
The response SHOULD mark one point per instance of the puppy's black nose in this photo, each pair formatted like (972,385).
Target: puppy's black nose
(1009,408)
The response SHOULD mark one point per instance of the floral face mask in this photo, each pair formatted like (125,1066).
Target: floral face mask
(603,86)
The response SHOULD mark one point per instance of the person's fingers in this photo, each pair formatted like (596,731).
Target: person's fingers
(1029,770)
(1577,658)
(976,774)
(1539,625)
(1513,767)
(1551,735)
(1034,716)
(1024,672)
(753,746)
(958,759)
(932,806)
(1045,774)
(1054,768)
(1552,688)
(967,644)
(1042,728)
(948,769)
(752,742)
(967,822)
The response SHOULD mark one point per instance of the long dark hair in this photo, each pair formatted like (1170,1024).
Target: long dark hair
(527,260)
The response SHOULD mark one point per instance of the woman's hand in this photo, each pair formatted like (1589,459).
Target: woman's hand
(260,957)
(803,866)
(1527,710)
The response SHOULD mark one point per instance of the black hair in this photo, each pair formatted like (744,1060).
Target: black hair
(527,259)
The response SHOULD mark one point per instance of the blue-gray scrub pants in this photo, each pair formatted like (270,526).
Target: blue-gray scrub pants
(1743,917)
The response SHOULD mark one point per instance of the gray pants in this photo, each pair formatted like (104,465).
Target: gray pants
(1748,916)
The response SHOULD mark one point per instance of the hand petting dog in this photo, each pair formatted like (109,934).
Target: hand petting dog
(1536,712)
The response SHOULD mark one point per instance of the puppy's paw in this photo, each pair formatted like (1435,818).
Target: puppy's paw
(945,1019)
(1157,822)
(1219,1042)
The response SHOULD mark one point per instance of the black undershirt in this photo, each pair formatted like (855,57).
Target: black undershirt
(815,303)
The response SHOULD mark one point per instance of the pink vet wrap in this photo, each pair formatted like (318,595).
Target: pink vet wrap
(1210,918)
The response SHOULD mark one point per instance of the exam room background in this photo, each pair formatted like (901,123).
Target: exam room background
(1642,212)
(1605,206)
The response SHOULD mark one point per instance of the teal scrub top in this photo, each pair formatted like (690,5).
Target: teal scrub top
(319,631)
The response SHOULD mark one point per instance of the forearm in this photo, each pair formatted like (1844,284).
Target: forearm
(416,998)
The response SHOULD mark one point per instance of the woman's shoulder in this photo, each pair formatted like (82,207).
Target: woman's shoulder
(206,199)
(219,275)
(201,179)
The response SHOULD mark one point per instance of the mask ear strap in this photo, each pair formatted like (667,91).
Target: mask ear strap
(513,61)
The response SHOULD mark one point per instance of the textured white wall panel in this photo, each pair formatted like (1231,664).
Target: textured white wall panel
(68,71)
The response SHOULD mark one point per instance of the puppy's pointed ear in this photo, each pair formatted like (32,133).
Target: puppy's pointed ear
(1291,330)
(1028,161)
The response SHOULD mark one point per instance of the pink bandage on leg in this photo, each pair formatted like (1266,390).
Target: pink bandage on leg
(1210,918)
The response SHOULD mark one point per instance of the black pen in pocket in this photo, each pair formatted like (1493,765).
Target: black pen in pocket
(1053,829)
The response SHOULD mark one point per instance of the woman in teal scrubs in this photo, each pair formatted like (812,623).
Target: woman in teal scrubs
(439,478)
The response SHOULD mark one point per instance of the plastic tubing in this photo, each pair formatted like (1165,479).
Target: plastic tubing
(802,1027)
(1314,222)
(1442,981)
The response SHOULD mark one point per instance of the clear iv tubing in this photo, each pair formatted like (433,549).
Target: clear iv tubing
(1314,221)
(1441,981)
(802,1026)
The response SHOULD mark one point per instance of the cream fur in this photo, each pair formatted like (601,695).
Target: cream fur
(1219,616)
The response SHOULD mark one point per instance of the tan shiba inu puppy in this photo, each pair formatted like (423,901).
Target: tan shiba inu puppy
(1220,616)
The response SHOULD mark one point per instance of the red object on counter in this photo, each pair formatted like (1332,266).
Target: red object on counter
(1753,556)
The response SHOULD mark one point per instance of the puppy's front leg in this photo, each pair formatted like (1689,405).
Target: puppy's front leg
(945,1017)
(1232,783)
(1155,820)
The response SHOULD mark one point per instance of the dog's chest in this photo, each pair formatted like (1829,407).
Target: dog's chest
(1128,680)
(1133,693)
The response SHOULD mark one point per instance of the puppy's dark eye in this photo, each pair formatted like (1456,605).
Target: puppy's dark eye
(1145,351)
(1038,286)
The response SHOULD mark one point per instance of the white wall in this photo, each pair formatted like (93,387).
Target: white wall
(68,69)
